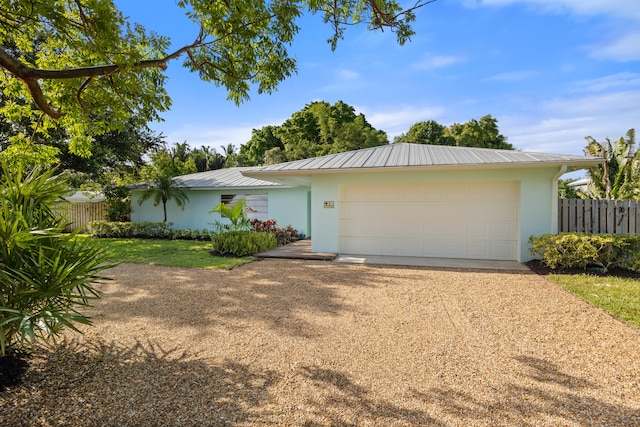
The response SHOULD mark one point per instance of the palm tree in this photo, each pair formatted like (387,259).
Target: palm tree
(230,155)
(162,190)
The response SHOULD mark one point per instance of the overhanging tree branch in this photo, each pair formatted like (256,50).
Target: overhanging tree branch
(234,42)
(31,76)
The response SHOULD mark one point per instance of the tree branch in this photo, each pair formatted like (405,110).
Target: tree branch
(30,75)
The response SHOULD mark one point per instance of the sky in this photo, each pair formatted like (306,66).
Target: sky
(550,71)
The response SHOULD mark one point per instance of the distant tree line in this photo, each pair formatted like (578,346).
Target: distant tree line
(317,130)
(483,133)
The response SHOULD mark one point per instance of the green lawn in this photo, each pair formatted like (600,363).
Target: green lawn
(172,253)
(617,296)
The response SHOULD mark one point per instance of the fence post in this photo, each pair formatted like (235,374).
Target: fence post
(579,216)
(587,215)
(621,216)
(633,212)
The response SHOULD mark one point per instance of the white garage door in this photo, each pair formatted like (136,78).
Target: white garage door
(462,220)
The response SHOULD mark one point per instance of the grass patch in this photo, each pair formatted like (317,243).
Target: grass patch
(171,253)
(618,296)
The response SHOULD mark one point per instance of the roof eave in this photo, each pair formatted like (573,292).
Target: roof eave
(571,166)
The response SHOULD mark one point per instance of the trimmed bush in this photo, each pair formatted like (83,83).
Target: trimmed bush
(242,243)
(188,234)
(142,230)
(145,230)
(579,250)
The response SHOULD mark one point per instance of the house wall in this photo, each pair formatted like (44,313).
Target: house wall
(286,206)
(535,206)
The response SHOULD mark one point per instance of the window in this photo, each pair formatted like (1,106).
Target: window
(257,204)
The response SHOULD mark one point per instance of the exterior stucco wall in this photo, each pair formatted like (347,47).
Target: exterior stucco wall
(535,206)
(286,206)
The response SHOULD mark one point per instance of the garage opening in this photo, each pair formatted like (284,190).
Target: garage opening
(444,220)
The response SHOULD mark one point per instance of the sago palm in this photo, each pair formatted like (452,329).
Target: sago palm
(45,275)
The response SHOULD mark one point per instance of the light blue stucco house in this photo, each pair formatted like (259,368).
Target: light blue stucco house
(400,199)
(288,204)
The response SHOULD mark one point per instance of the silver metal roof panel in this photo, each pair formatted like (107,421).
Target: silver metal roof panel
(422,155)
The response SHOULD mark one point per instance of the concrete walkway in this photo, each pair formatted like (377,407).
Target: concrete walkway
(302,250)
(297,250)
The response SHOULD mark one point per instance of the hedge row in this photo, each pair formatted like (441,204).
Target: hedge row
(235,243)
(145,230)
(580,250)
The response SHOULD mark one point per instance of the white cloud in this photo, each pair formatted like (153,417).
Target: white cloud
(625,48)
(513,76)
(560,125)
(619,8)
(398,119)
(348,74)
(614,81)
(623,43)
(431,62)
(344,80)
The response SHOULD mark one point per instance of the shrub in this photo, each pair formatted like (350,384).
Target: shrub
(185,234)
(242,242)
(143,230)
(238,219)
(283,235)
(579,250)
(188,234)
(117,203)
(45,275)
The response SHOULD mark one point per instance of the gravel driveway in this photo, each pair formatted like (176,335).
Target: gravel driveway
(302,343)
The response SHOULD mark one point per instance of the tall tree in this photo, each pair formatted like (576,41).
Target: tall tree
(262,141)
(427,132)
(318,129)
(207,159)
(118,152)
(90,58)
(483,133)
(169,162)
(230,155)
(618,177)
(116,156)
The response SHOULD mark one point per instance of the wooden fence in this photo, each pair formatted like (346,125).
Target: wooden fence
(79,215)
(599,216)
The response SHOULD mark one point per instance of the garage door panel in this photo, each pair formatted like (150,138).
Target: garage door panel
(503,231)
(501,250)
(466,220)
(454,248)
(432,248)
(477,249)
(478,230)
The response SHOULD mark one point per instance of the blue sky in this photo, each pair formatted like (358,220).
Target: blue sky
(551,72)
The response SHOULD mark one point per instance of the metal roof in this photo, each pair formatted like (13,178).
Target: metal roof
(422,155)
(219,178)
